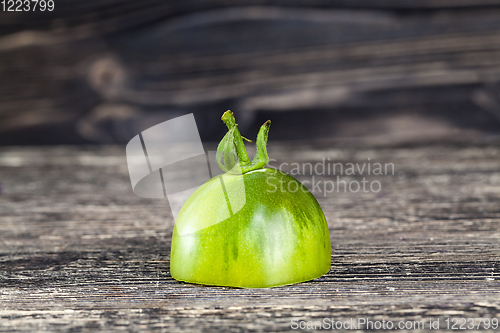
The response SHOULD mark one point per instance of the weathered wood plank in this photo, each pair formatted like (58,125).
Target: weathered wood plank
(78,251)
(101,72)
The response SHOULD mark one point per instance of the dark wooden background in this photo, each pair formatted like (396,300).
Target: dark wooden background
(101,71)
(414,83)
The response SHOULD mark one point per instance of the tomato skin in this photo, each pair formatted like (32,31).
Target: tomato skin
(278,237)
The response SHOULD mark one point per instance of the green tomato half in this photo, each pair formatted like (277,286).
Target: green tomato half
(262,228)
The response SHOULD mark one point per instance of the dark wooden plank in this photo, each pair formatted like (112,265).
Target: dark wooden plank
(106,76)
(78,251)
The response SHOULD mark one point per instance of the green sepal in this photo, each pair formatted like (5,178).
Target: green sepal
(231,151)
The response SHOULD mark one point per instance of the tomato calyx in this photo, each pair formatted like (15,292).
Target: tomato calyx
(231,154)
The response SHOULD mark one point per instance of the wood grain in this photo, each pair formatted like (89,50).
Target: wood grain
(100,72)
(80,252)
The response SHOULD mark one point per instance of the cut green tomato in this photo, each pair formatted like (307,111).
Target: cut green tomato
(252,227)
(277,235)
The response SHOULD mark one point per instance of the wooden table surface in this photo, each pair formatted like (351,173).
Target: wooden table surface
(80,252)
